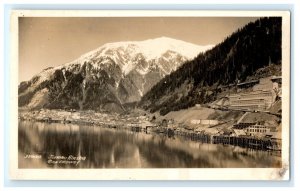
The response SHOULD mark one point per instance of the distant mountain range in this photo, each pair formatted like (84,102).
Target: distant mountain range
(250,52)
(108,77)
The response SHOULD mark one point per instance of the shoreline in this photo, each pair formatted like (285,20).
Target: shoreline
(128,122)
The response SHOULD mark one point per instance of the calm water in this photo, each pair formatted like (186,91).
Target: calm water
(43,145)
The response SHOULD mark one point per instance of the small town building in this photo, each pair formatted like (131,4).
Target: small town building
(257,130)
(239,132)
(75,116)
(242,125)
(204,122)
(147,124)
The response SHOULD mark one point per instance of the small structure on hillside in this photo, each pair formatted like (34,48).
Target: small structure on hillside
(204,122)
(197,106)
(263,95)
(277,79)
(247,84)
(259,100)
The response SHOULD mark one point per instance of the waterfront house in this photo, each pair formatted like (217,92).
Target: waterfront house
(257,130)
(239,132)
(242,125)
(147,124)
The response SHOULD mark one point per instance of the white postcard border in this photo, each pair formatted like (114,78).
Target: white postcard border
(149,174)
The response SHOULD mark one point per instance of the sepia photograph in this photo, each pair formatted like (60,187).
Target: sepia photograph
(195,93)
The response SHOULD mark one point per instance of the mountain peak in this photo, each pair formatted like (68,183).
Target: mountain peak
(164,39)
(119,72)
(154,48)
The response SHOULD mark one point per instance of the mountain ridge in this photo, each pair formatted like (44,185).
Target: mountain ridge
(122,72)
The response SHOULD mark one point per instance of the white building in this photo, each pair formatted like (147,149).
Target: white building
(204,122)
(257,130)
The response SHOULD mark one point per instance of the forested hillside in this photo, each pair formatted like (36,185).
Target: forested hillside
(254,47)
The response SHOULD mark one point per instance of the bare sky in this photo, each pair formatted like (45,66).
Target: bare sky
(45,42)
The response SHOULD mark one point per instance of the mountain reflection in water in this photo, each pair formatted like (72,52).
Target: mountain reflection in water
(110,148)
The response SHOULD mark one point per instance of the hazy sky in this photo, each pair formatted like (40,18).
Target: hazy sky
(45,42)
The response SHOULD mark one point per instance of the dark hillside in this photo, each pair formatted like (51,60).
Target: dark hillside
(254,47)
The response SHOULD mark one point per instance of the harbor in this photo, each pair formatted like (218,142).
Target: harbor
(56,145)
(236,135)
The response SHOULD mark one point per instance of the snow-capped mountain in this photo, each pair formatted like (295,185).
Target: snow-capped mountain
(108,77)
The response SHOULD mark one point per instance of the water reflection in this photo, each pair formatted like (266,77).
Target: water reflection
(40,143)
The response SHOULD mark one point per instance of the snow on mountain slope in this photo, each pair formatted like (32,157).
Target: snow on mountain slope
(124,70)
(154,48)
(123,52)
(151,49)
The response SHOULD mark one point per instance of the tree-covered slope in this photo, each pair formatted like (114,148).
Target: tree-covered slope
(255,46)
